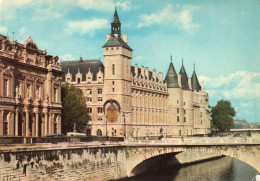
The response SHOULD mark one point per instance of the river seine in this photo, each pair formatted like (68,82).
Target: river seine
(222,169)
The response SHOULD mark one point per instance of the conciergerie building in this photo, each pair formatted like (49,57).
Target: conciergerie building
(132,101)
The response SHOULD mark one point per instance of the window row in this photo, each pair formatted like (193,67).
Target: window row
(89,91)
(89,99)
(99,110)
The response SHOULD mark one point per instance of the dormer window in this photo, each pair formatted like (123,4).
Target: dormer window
(89,79)
(78,80)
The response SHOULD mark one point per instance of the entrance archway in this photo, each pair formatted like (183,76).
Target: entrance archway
(112,111)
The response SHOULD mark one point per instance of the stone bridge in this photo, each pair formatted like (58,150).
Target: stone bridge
(112,160)
(137,153)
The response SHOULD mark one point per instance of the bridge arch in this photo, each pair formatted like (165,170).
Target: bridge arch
(249,154)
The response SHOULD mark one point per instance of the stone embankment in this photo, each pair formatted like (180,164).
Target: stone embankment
(98,160)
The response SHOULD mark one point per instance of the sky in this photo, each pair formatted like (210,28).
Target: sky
(222,38)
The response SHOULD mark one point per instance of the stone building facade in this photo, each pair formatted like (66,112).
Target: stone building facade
(132,101)
(30,81)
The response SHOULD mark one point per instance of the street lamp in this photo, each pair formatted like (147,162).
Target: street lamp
(124,126)
(106,125)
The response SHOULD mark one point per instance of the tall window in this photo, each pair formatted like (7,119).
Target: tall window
(5,125)
(89,91)
(178,119)
(99,91)
(38,92)
(184,111)
(5,87)
(78,81)
(99,132)
(100,109)
(89,99)
(100,99)
(201,114)
(184,119)
(89,110)
(179,132)
(55,95)
(178,111)
(55,125)
(113,69)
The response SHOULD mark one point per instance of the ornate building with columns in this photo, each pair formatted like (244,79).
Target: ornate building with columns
(132,101)
(30,81)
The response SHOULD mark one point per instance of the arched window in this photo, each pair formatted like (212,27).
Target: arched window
(99,132)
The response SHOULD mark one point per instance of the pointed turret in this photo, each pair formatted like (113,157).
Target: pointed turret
(184,78)
(195,85)
(114,40)
(171,77)
(116,25)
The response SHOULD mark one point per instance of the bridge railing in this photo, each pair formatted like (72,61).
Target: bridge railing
(200,140)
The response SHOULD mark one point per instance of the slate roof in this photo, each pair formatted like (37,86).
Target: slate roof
(115,18)
(116,42)
(195,85)
(171,77)
(184,79)
(83,66)
(150,74)
(2,37)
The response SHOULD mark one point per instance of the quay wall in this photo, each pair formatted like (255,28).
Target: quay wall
(79,161)
(105,163)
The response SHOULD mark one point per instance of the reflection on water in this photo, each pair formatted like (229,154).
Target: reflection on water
(222,169)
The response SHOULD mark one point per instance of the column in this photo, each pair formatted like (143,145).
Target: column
(45,124)
(37,124)
(11,122)
(1,121)
(59,124)
(50,124)
(26,122)
(16,121)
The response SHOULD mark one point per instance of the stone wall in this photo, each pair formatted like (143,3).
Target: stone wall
(75,164)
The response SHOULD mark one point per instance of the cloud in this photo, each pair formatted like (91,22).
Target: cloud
(103,5)
(67,57)
(8,8)
(241,84)
(3,29)
(241,88)
(86,26)
(179,16)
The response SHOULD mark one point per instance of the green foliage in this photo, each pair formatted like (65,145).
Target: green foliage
(222,116)
(74,109)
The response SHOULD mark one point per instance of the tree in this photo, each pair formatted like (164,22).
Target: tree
(74,109)
(222,116)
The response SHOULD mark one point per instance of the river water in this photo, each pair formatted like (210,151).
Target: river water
(222,169)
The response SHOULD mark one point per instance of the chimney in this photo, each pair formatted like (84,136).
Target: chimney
(160,76)
(189,82)
(125,38)
(146,72)
(108,36)
(142,71)
(136,70)
(154,74)
(202,86)
(179,80)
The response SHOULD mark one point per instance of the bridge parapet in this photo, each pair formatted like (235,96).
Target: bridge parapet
(199,141)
